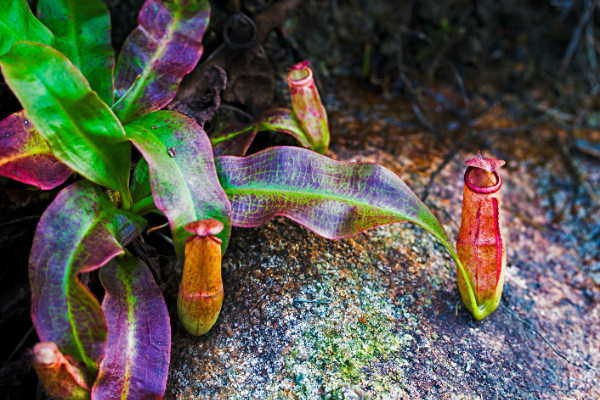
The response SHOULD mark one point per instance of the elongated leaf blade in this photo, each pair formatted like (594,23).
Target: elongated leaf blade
(233,139)
(25,156)
(165,46)
(140,181)
(283,120)
(80,231)
(183,179)
(334,199)
(138,347)
(17,23)
(82,33)
(82,131)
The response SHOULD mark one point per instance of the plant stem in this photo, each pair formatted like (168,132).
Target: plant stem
(477,312)
(144,206)
(126,200)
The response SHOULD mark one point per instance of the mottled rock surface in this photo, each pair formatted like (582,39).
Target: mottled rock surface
(379,315)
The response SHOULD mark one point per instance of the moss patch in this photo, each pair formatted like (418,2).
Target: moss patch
(352,348)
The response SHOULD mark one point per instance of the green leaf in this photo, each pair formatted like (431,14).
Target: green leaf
(79,232)
(183,179)
(82,131)
(140,181)
(82,33)
(17,23)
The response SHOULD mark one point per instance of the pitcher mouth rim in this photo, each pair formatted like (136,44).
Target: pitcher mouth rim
(483,189)
(307,80)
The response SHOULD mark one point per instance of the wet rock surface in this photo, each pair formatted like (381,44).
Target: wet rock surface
(379,315)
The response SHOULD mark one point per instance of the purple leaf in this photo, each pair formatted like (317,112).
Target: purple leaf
(165,46)
(79,232)
(138,347)
(26,156)
(183,179)
(334,199)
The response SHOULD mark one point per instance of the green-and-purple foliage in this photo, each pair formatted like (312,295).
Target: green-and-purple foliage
(283,120)
(25,156)
(335,199)
(165,46)
(68,125)
(138,348)
(183,179)
(79,232)
(82,131)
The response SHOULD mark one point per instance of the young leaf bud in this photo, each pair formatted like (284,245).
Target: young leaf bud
(480,243)
(307,106)
(201,289)
(61,378)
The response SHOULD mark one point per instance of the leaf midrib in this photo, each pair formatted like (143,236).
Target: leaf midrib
(130,301)
(19,156)
(313,194)
(94,147)
(220,139)
(416,221)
